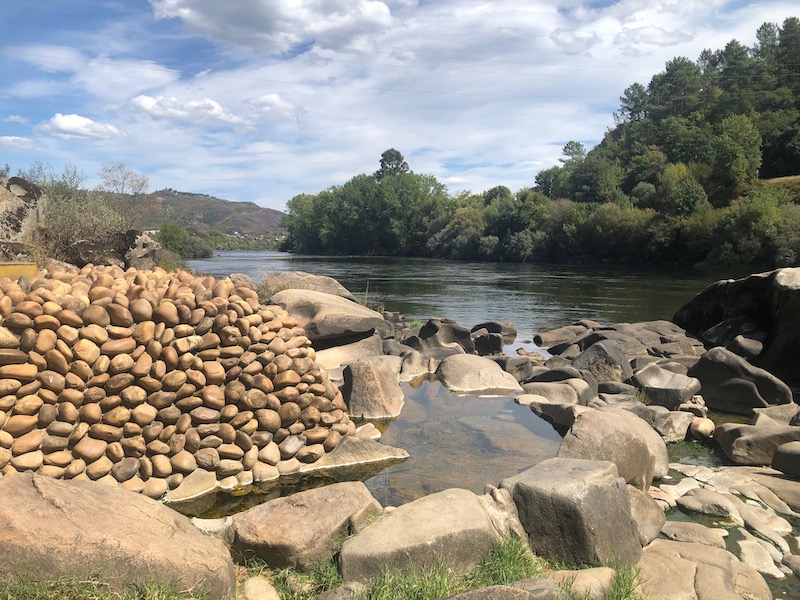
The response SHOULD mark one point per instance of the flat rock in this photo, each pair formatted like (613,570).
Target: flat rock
(475,374)
(752,444)
(450,527)
(298,531)
(695,533)
(695,571)
(665,388)
(709,502)
(300,280)
(325,316)
(80,529)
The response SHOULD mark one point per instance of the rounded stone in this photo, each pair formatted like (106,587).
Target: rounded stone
(89,449)
(19,425)
(30,461)
(162,467)
(99,468)
(183,462)
(702,428)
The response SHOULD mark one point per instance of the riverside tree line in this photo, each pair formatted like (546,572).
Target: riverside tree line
(700,167)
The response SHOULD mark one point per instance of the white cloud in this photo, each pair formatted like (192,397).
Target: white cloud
(77,127)
(278,26)
(204,110)
(16,143)
(16,119)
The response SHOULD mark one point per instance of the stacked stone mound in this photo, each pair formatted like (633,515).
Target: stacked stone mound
(140,378)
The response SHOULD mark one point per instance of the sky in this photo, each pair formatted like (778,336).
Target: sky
(261,100)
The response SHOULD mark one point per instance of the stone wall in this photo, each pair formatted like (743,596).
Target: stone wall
(140,378)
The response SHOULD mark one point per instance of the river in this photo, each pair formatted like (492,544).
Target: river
(464,441)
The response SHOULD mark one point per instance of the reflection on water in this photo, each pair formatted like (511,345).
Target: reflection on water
(459,441)
(534,297)
(464,441)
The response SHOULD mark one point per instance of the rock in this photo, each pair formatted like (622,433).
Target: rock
(560,416)
(451,527)
(670,424)
(487,344)
(787,459)
(121,536)
(665,388)
(334,358)
(605,361)
(221,529)
(21,210)
(782,414)
(475,374)
(648,515)
(299,531)
(709,502)
(371,390)
(597,435)
(555,393)
(560,335)
(731,384)
(695,533)
(702,429)
(259,588)
(299,280)
(793,562)
(752,553)
(681,570)
(576,511)
(769,301)
(325,316)
(788,490)
(593,584)
(442,333)
(143,252)
(753,445)
(764,522)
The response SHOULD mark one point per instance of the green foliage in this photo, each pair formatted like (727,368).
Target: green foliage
(392,163)
(185,243)
(625,583)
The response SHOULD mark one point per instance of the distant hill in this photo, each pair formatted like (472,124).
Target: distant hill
(206,213)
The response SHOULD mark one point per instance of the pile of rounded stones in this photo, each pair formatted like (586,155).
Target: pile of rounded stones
(138,378)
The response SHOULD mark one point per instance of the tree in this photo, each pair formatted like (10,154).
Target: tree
(392,163)
(765,50)
(676,91)
(126,189)
(633,104)
(573,152)
(789,52)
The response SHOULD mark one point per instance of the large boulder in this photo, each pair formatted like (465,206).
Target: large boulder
(300,280)
(325,316)
(576,511)
(731,384)
(695,571)
(768,302)
(476,374)
(300,530)
(597,435)
(81,529)
(647,513)
(371,390)
(451,527)
(753,444)
(21,208)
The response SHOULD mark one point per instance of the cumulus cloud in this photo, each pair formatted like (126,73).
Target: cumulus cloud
(77,127)
(16,119)
(278,26)
(16,143)
(572,42)
(204,110)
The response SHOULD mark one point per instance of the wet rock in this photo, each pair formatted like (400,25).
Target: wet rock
(442,333)
(695,533)
(709,502)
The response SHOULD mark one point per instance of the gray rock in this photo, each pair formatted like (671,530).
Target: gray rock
(471,373)
(560,416)
(487,344)
(300,280)
(769,300)
(325,316)
(334,358)
(259,588)
(731,384)
(442,333)
(413,365)
(648,515)
(781,414)
(709,502)
(681,570)
(751,444)
(665,388)
(576,511)
(788,490)
(591,584)
(546,591)
(695,533)
(561,335)
(787,459)
(605,361)
(450,526)
(521,367)
(555,392)
(298,531)
(371,390)
(55,527)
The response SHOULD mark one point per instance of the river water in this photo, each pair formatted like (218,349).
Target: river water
(464,441)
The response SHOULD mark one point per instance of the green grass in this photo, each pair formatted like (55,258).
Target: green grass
(72,588)
(624,585)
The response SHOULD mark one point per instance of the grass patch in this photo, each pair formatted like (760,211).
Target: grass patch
(73,588)
(626,580)
(292,584)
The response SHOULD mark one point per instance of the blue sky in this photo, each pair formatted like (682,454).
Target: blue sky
(260,100)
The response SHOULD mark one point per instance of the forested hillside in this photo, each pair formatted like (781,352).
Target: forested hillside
(698,168)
